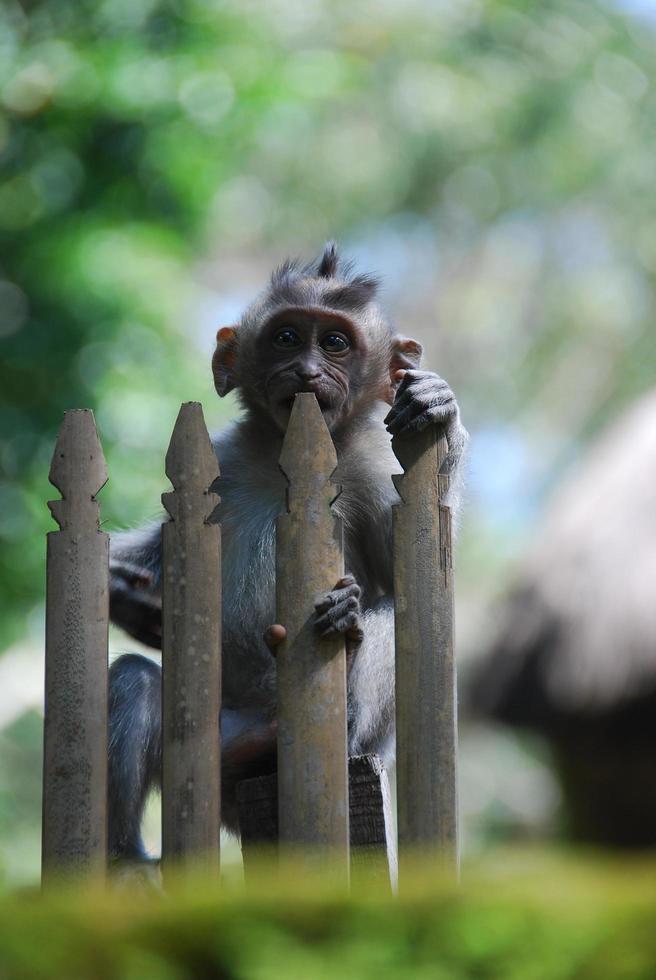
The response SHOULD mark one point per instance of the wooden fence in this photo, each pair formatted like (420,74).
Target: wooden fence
(320,802)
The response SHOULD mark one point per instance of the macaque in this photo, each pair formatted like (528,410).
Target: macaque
(316,328)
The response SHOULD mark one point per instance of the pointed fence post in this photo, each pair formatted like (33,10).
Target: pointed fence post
(426,706)
(77,617)
(312,747)
(191,650)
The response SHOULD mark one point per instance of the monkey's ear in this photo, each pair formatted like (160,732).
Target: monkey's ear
(224,360)
(405,355)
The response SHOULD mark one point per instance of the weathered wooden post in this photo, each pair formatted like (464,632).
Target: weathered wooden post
(77,616)
(426,705)
(371,834)
(312,748)
(191,650)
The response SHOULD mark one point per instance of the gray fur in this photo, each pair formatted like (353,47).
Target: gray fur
(252,491)
(252,495)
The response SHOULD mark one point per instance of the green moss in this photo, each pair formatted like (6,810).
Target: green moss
(537,918)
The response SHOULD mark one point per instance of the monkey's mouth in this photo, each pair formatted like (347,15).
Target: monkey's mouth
(325,403)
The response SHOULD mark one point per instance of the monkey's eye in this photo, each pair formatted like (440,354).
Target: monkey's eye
(334,343)
(286,339)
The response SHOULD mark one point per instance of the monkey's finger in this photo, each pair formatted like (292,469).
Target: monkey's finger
(444,414)
(274,635)
(421,421)
(400,404)
(402,420)
(401,389)
(412,376)
(333,602)
(425,392)
(350,625)
(339,593)
(434,415)
(425,398)
(337,614)
(429,391)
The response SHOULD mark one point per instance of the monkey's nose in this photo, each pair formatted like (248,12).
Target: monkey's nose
(309,373)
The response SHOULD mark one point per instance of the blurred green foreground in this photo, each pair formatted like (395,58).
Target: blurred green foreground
(553,918)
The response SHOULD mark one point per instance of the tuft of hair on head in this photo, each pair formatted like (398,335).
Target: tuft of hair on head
(351,293)
(329,262)
(354,292)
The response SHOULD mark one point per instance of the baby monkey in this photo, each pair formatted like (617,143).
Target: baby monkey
(316,328)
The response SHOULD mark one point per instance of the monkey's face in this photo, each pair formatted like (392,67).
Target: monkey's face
(309,350)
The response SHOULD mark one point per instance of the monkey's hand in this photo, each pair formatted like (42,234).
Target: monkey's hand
(133,605)
(423,399)
(338,612)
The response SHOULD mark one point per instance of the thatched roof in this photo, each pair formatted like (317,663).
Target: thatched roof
(578,632)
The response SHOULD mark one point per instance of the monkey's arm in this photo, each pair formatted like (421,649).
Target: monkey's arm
(134,574)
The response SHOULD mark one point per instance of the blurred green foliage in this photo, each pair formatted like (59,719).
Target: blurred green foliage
(557,920)
(20,796)
(138,134)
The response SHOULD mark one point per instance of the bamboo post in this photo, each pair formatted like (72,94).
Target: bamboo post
(77,616)
(312,747)
(426,707)
(191,650)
